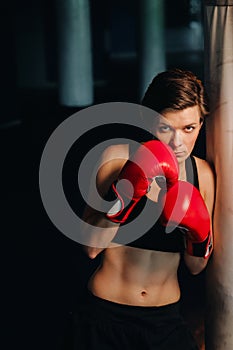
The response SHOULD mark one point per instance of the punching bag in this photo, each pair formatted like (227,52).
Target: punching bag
(219,135)
(75,83)
(152,58)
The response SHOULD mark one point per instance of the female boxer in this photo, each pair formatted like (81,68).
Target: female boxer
(133,297)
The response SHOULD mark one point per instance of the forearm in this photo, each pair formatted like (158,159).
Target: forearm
(195,264)
(98,233)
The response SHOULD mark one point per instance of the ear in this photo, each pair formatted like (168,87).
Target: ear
(201,121)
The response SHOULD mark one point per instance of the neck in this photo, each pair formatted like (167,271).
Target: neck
(182,171)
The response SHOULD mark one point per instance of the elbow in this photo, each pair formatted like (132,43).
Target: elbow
(196,272)
(195,265)
(197,268)
(92,252)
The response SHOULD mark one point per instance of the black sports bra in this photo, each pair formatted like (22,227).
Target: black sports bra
(156,237)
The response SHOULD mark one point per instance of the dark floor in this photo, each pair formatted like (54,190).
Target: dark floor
(43,272)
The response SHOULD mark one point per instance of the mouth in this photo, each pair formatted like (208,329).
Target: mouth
(179,154)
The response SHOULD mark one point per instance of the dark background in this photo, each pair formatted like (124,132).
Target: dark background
(43,272)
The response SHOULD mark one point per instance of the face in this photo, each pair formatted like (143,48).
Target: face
(179,129)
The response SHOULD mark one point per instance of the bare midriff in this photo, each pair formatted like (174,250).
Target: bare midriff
(135,276)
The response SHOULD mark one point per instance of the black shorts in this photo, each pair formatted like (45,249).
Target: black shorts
(105,325)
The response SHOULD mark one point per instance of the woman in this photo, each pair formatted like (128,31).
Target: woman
(133,296)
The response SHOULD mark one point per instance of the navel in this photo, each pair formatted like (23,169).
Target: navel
(143,293)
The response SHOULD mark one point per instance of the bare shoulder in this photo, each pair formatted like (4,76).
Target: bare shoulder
(205,171)
(120,151)
(206,180)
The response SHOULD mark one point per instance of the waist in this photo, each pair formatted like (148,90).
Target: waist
(138,279)
(117,311)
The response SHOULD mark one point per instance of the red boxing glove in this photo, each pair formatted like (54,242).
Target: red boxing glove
(183,206)
(153,159)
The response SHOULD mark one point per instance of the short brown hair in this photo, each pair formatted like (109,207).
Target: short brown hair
(176,89)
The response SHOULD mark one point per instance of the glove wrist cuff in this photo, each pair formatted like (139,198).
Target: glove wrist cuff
(200,249)
(121,209)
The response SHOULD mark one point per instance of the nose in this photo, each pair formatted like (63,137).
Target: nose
(176,139)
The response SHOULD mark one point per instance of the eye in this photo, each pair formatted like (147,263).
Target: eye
(164,128)
(189,128)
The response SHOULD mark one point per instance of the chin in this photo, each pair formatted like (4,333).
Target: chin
(182,159)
